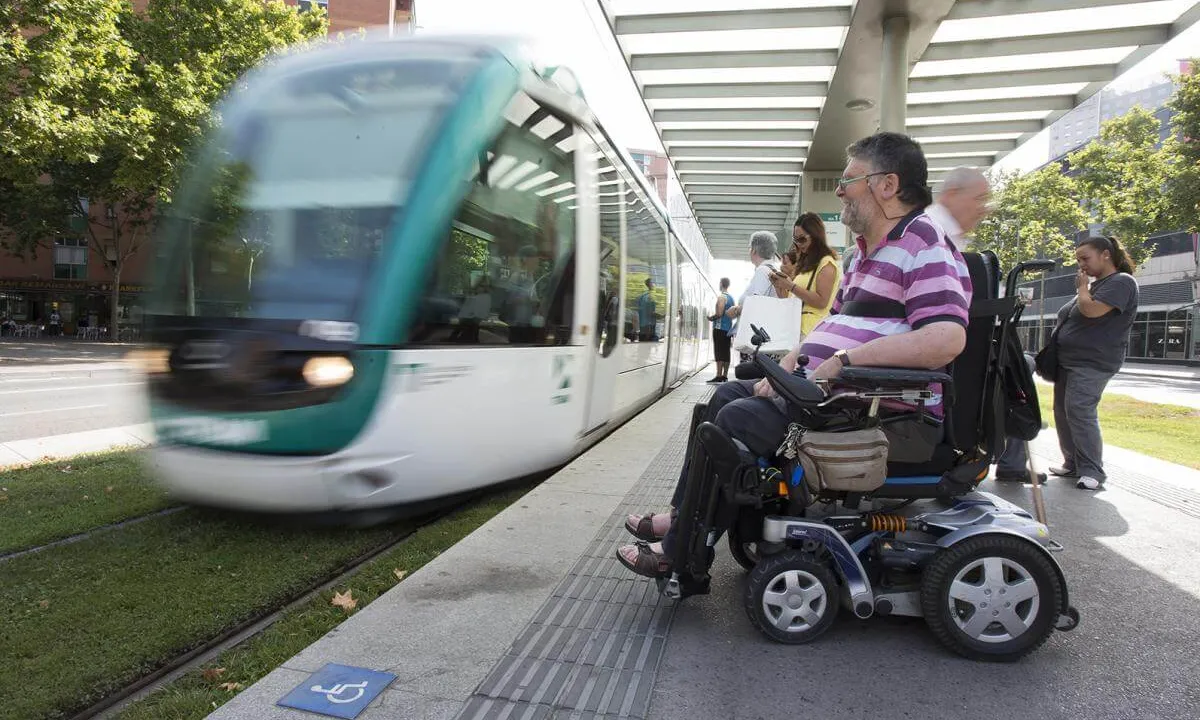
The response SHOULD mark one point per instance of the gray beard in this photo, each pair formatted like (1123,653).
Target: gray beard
(854,221)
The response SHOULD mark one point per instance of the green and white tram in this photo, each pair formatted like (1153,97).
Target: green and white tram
(405,269)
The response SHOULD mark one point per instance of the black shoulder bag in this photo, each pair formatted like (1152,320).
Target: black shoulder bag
(1046,360)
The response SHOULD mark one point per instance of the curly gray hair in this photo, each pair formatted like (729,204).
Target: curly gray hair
(764,244)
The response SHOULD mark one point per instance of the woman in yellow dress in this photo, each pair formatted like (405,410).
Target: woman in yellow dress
(817,271)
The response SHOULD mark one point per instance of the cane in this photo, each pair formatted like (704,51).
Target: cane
(1024,298)
(1039,505)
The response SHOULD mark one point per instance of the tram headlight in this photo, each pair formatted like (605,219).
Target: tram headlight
(327,371)
(155,361)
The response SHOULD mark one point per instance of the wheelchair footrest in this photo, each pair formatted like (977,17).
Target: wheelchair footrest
(679,586)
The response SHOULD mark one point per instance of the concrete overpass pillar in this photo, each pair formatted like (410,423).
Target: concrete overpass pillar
(893,85)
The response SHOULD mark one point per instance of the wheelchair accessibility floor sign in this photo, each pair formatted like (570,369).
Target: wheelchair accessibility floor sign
(338,690)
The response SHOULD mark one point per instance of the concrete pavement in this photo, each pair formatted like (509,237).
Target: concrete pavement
(60,447)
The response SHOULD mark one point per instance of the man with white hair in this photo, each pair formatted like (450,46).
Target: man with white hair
(958,209)
(961,204)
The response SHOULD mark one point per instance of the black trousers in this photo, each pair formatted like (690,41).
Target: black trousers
(758,422)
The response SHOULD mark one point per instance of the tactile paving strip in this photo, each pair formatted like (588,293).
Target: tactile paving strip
(592,650)
(1182,499)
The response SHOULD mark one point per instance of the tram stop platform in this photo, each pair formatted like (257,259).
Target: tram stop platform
(532,617)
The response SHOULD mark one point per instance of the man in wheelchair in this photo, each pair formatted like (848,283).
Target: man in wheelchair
(904,304)
(910,391)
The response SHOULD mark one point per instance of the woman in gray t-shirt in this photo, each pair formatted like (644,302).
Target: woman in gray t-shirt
(1093,331)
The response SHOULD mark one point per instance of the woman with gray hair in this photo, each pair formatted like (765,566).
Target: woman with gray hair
(764,248)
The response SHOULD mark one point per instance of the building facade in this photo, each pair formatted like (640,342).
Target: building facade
(1081,125)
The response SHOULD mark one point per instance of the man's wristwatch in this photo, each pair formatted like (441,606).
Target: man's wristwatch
(843,357)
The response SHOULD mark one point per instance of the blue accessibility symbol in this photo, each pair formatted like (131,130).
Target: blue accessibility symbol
(338,690)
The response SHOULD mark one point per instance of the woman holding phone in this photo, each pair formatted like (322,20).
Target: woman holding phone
(816,273)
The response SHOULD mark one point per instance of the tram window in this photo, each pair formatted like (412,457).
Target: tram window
(646,302)
(506,273)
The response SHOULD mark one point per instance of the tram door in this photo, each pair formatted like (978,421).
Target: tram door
(675,316)
(605,259)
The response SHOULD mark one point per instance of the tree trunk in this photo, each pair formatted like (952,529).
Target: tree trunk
(114,329)
(191,275)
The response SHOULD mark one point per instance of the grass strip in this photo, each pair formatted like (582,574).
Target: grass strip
(1167,432)
(198,693)
(49,501)
(80,621)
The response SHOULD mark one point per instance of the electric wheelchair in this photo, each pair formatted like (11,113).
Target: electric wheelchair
(978,568)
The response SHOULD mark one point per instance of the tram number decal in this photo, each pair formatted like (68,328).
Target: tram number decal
(213,430)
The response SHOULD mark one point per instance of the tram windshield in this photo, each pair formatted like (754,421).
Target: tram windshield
(290,210)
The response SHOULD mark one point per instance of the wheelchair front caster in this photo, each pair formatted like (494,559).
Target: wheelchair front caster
(745,553)
(791,597)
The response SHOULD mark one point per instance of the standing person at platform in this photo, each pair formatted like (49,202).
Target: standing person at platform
(1091,337)
(764,248)
(904,260)
(817,274)
(722,325)
(958,209)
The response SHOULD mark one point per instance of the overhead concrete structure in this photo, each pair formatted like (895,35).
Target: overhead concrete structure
(756,100)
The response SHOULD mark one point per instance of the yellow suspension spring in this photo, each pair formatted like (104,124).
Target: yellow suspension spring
(887,523)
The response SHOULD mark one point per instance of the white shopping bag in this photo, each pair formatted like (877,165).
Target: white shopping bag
(780,317)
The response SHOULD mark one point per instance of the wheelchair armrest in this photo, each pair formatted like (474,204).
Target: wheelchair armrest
(891,377)
(792,388)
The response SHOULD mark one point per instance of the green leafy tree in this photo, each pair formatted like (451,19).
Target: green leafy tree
(1183,187)
(1122,176)
(99,106)
(1035,215)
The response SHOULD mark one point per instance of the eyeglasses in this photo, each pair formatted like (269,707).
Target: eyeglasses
(843,182)
(801,239)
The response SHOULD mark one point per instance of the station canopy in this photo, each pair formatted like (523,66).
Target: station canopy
(748,94)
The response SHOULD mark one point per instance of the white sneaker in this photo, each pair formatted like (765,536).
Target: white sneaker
(1088,483)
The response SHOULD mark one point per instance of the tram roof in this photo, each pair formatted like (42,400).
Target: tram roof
(747,95)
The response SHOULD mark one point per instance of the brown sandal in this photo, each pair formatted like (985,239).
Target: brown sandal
(644,529)
(648,562)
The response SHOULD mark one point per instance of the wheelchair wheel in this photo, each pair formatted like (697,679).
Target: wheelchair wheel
(791,597)
(991,597)
(745,553)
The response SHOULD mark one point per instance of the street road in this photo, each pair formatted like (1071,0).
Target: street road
(65,387)
(1170,391)
(53,399)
